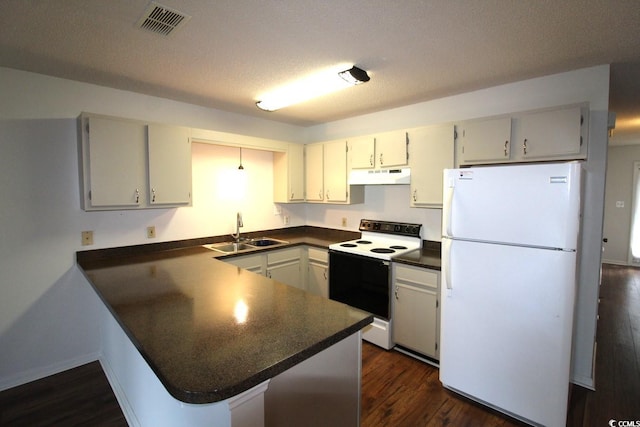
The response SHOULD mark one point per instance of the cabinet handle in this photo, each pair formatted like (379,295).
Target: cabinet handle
(371,160)
(415,196)
(327,194)
(396,292)
(137,196)
(153,195)
(506,144)
(320,194)
(381,163)
(524,146)
(291,195)
(325,274)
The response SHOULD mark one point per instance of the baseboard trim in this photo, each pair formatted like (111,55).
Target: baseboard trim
(44,371)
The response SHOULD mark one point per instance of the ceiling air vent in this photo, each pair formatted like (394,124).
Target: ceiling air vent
(161,19)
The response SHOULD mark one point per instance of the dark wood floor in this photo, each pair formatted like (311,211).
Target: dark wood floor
(397,390)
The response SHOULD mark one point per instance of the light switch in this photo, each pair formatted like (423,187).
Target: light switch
(619,204)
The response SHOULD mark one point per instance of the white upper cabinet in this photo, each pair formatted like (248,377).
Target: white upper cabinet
(391,149)
(314,172)
(326,171)
(550,134)
(363,152)
(485,141)
(169,150)
(558,134)
(431,151)
(128,164)
(335,171)
(288,175)
(114,159)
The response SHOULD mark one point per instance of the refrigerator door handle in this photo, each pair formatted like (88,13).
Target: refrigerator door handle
(446,261)
(446,217)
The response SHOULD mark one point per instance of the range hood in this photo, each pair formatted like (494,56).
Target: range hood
(380,176)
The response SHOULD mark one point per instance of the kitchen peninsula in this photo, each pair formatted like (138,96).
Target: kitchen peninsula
(188,339)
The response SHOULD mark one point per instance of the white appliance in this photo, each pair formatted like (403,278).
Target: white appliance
(510,235)
(359,273)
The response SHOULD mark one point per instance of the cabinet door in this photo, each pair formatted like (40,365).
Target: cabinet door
(252,263)
(169,165)
(318,283)
(314,170)
(288,175)
(296,172)
(362,152)
(549,134)
(415,319)
(391,149)
(335,171)
(431,150)
(116,162)
(287,273)
(485,141)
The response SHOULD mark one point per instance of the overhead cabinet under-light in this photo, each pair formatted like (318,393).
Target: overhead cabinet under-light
(316,85)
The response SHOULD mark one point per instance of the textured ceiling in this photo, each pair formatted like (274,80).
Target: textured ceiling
(231,51)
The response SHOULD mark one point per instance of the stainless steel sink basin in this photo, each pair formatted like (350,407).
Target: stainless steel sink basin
(247,245)
(229,247)
(265,241)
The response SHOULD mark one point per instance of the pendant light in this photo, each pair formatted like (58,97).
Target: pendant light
(241,167)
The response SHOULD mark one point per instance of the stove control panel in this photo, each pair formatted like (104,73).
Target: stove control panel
(388,227)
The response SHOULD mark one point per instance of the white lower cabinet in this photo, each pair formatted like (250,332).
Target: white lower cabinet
(284,266)
(416,311)
(254,262)
(318,272)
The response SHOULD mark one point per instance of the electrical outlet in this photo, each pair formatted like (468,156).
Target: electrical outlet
(285,219)
(151,232)
(87,238)
(344,222)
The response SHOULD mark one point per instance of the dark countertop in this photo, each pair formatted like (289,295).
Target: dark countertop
(208,329)
(182,308)
(427,257)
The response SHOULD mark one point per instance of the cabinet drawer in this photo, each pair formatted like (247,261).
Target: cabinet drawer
(284,255)
(248,262)
(417,275)
(319,255)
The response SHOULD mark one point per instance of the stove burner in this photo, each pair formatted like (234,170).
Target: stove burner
(348,245)
(399,247)
(382,250)
(364,242)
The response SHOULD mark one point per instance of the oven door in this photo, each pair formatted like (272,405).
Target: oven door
(361,282)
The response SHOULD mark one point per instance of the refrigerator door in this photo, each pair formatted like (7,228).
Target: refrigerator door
(531,205)
(507,316)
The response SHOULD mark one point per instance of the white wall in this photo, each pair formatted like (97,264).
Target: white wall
(47,314)
(619,188)
(47,311)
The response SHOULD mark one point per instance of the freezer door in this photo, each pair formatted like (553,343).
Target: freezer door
(531,205)
(506,327)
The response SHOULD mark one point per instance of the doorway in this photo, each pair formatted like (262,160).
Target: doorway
(634,238)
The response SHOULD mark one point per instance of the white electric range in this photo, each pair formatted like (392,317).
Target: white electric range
(359,273)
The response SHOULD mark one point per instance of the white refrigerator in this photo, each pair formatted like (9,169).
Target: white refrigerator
(509,259)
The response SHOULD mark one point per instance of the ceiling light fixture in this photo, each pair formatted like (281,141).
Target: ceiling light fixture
(241,167)
(318,84)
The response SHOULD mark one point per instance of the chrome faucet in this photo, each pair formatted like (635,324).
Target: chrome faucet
(239,224)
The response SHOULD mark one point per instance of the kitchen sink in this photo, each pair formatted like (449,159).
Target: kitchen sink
(265,241)
(247,245)
(229,247)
